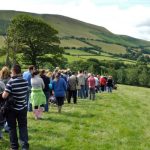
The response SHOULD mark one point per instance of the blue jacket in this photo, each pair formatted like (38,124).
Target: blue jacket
(27,76)
(59,87)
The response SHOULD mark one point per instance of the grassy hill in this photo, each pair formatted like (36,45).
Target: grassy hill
(82,36)
(117,121)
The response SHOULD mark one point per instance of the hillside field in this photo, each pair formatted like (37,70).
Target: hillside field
(117,121)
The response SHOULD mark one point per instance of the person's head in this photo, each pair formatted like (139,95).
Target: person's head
(89,74)
(109,77)
(80,71)
(58,74)
(49,74)
(43,72)
(31,68)
(5,73)
(36,72)
(73,73)
(16,70)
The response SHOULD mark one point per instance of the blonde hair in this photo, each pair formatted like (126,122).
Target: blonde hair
(5,73)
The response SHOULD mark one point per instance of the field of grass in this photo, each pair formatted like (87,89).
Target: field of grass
(103,56)
(76,52)
(117,121)
(111,48)
(73,43)
(1,41)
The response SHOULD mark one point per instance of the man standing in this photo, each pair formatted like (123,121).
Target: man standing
(72,91)
(27,76)
(91,83)
(17,87)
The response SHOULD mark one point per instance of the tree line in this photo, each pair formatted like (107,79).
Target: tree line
(131,74)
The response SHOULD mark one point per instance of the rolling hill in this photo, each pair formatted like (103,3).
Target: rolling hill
(81,36)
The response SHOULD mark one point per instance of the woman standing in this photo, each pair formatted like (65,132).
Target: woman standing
(2,118)
(59,88)
(38,98)
(46,89)
(4,77)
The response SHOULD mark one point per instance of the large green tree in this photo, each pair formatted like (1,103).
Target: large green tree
(36,41)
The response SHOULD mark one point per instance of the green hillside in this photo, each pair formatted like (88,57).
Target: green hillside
(1,41)
(83,36)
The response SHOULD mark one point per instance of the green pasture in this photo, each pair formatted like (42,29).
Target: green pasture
(1,41)
(77,52)
(116,121)
(110,48)
(73,43)
(101,57)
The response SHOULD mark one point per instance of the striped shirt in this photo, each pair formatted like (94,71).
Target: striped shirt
(18,87)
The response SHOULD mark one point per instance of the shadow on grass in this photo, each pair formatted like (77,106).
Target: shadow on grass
(78,115)
(57,120)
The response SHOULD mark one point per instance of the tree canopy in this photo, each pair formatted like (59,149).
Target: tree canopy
(36,41)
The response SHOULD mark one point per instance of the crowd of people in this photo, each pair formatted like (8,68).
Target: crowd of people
(33,89)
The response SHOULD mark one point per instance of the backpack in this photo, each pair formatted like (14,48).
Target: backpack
(5,105)
(2,110)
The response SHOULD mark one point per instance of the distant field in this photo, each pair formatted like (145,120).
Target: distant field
(111,48)
(101,57)
(73,43)
(2,59)
(1,41)
(76,52)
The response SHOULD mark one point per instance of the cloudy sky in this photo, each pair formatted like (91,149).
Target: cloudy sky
(128,17)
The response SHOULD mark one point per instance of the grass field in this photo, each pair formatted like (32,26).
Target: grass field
(1,41)
(73,43)
(102,57)
(117,121)
(111,48)
(77,52)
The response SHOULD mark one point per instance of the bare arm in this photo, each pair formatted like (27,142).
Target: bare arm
(5,94)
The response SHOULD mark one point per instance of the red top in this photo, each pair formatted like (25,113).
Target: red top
(91,82)
(102,81)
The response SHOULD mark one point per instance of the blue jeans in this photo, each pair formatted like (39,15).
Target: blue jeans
(47,95)
(86,90)
(82,92)
(28,100)
(1,127)
(12,118)
(109,89)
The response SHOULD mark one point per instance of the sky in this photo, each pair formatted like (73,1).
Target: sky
(125,17)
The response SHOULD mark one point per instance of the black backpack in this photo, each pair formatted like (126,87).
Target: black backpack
(5,105)
(2,110)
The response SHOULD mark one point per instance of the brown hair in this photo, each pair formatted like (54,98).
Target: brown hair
(31,67)
(36,72)
(16,68)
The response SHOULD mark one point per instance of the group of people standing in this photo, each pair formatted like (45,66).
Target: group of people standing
(31,91)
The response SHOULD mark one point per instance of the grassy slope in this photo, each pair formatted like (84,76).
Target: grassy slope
(1,41)
(111,48)
(73,43)
(71,27)
(117,121)
(76,52)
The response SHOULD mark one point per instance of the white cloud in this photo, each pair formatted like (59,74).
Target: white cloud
(114,17)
